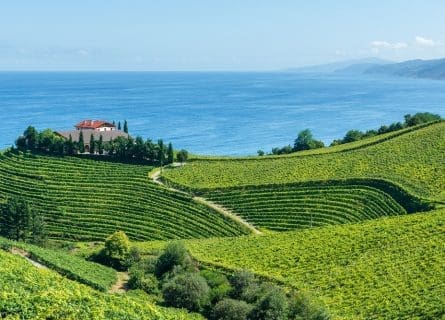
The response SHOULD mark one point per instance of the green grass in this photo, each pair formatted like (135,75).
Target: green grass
(30,293)
(92,274)
(87,200)
(388,268)
(286,207)
(415,160)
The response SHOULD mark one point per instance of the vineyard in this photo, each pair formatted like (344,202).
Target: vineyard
(92,274)
(286,207)
(415,160)
(87,200)
(30,293)
(389,268)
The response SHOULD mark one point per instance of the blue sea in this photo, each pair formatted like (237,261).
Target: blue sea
(213,113)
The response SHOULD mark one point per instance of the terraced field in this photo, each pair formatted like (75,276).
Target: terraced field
(88,200)
(30,293)
(92,274)
(299,206)
(388,268)
(415,160)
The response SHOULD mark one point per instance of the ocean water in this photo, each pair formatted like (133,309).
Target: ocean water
(213,113)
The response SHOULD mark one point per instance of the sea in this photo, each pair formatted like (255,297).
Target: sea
(213,113)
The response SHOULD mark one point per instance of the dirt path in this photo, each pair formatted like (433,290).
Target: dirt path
(121,284)
(25,254)
(156,175)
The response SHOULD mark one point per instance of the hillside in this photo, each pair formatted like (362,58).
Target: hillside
(87,200)
(31,293)
(389,268)
(415,160)
(428,69)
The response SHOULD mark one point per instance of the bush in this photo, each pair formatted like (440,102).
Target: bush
(229,309)
(273,306)
(240,281)
(117,247)
(133,257)
(139,279)
(187,290)
(218,283)
(175,254)
(301,308)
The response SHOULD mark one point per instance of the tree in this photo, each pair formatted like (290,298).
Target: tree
(161,152)
(119,125)
(304,141)
(186,290)
(273,306)
(260,153)
(240,281)
(117,246)
(125,126)
(175,254)
(421,117)
(353,135)
(81,144)
(230,309)
(100,145)
(182,156)
(92,144)
(14,219)
(37,228)
(170,154)
(70,148)
(31,138)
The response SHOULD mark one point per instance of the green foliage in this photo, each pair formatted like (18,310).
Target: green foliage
(175,254)
(230,309)
(125,126)
(92,144)
(421,117)
(305,141)
(389,268)
(186,290)
(29,293)
(18,221)
(218,283)
(170,155)
(273,306)
(100,145)
(397,159)
(117,246)
(87,200)
(81,143)
(241,281)
(182,156)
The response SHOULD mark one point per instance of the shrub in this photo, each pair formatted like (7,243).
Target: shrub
(302,308)
(273,306)
(218,283)
(229,309)
(187,290)
(117,247)
(133,257)
(175,254)
(139,279)
(240,281)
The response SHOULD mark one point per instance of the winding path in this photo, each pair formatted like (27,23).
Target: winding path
(155,175)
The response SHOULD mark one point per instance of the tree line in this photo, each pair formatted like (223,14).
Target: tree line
(122,148)
(306,141)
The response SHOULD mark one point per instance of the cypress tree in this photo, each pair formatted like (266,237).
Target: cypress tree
(100,145)
(81,143)
(92,144)
(170,156)
(119,125)
(125,126)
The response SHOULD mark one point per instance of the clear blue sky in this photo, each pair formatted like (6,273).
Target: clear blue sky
(214,35)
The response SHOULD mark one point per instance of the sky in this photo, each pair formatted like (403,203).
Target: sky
(205,35)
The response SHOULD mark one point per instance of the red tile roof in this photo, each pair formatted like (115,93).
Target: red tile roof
(93,124)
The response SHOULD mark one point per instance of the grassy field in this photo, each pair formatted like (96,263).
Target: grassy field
(31,293)
(86,199)
(415,160)
(388,268)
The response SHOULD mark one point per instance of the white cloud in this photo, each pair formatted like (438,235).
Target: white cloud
(425,42)
(388,45)
(83,52)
